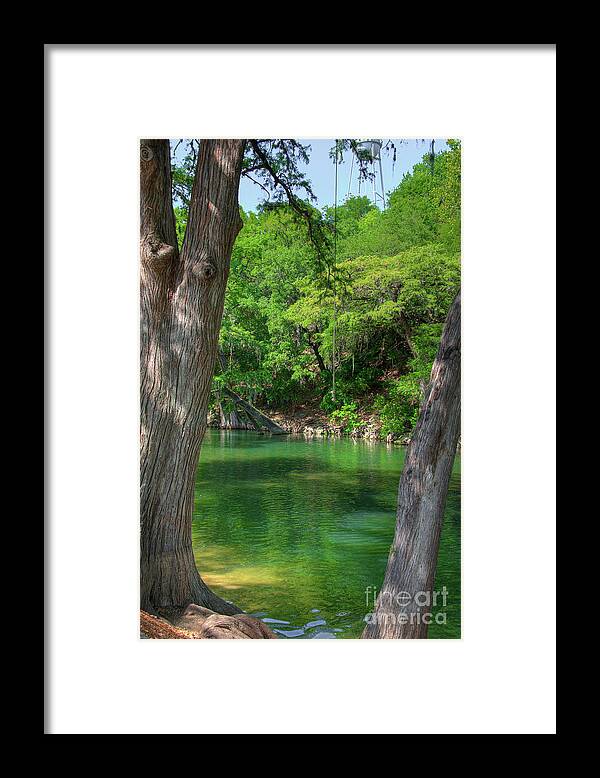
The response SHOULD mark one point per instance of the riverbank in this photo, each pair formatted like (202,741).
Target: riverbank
(314,423)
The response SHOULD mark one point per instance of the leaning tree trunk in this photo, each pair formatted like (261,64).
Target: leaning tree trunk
(403,606)
(261,419)
(181,307)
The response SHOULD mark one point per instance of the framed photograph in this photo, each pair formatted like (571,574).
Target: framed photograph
(300,349)
(291,338)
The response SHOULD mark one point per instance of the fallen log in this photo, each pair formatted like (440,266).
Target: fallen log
(252,423)
(259,417)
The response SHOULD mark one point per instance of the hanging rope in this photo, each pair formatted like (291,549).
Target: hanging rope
(335,199)
(351,169)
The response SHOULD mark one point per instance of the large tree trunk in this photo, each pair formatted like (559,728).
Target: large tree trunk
(403,606)
(181,307)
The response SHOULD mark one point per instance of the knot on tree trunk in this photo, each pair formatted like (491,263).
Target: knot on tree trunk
(204,270)
(157,254)
(146,153)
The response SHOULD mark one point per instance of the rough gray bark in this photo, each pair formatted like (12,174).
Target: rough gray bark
(251,424)
(182,299)
(401,606)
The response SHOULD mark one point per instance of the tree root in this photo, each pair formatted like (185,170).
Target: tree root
(155,627)
(200,623)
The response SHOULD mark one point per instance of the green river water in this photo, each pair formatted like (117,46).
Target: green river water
(294,530)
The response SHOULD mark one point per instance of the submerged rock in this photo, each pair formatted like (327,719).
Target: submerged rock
(290,633)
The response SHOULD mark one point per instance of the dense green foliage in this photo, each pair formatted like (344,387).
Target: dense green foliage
(382,302)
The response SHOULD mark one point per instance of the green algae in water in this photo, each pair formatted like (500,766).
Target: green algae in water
(295,530)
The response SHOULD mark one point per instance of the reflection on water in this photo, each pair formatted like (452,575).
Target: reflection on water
(295,530)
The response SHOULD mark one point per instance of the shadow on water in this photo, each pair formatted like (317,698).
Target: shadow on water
(295,530)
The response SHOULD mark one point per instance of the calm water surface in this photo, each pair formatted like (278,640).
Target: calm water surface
(295,530)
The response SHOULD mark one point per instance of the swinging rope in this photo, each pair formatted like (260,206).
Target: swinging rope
(350,179)
(335,198)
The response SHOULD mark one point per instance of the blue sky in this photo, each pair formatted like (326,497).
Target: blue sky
(321,171)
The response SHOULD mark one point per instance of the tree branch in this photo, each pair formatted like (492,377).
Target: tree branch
(158,235)
(296,204)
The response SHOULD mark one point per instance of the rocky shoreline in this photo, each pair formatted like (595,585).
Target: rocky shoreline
(316,425)
(364,432)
